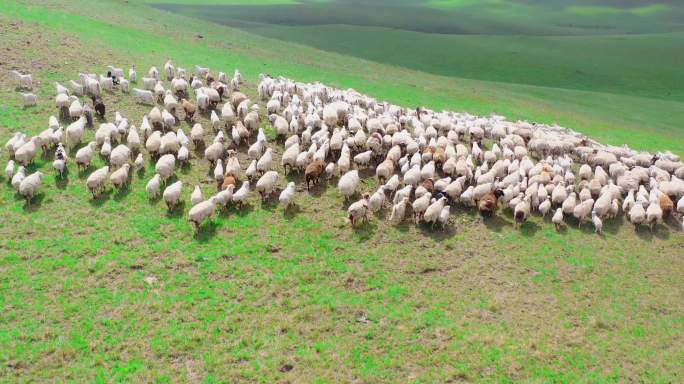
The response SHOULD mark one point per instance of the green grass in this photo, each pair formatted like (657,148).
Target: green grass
(259,290)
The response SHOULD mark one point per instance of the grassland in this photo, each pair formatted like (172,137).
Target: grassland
(116,290)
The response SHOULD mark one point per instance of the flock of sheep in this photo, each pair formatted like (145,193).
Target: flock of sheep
(425,161)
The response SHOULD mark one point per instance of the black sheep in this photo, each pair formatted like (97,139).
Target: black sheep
(99,106)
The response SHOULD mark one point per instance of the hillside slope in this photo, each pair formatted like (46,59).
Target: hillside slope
(117,290)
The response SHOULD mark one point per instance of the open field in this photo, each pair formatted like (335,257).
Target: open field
(263,296)
(543,45)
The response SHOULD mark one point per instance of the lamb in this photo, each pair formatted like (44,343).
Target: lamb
(240,196)
(348,183)
(139,162)
(119,178)
(18,177)
(202,211)
(287,195)
(29,185)
(267,183)
(598,223)
(97,180)
(398,211)
(172,194)
(9,170)
(59,164)
(357,210)
(152,187)
(218,171)
(557,218)
(29,99)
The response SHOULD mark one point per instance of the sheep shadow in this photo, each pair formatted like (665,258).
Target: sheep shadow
(292,211)
(141,172)
(122,192)
(62,181)
(206,231)
(100,199)
(85,171)
(437,232)
(494,222)
(270,203)
(176,211)
(529,228)
(365,230)
(34,203)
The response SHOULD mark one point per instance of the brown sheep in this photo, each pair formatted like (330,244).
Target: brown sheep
(489,202)
(313,172)
(429,185)
(189,109)
(439,156)
(236,98)
(666,205)
(228,180)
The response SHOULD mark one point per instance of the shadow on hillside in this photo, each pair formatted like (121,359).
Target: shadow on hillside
(35,203)
(206,231)
(100,199)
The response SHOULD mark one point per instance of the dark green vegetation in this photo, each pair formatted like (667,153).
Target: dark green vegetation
(116,290)
(577,45)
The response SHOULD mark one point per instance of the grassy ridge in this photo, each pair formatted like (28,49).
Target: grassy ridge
(261,291)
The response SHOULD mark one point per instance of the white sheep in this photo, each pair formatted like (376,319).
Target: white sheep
(165,166)
(24,81)
(196,196)
(29,185)
(25,154)
(557,218)
(431,215)
(348,183)
(18,177)
(9,170)
(143,96)
(240,196)
(29,99)
(264,163)
(152,187)
(139,162)
(357,210)
(398,211)
(120,155)
(119,178)
(202,211)
(287,195)
(172,194)
(74,132)
(85,155)
(267,183)
(97,181)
